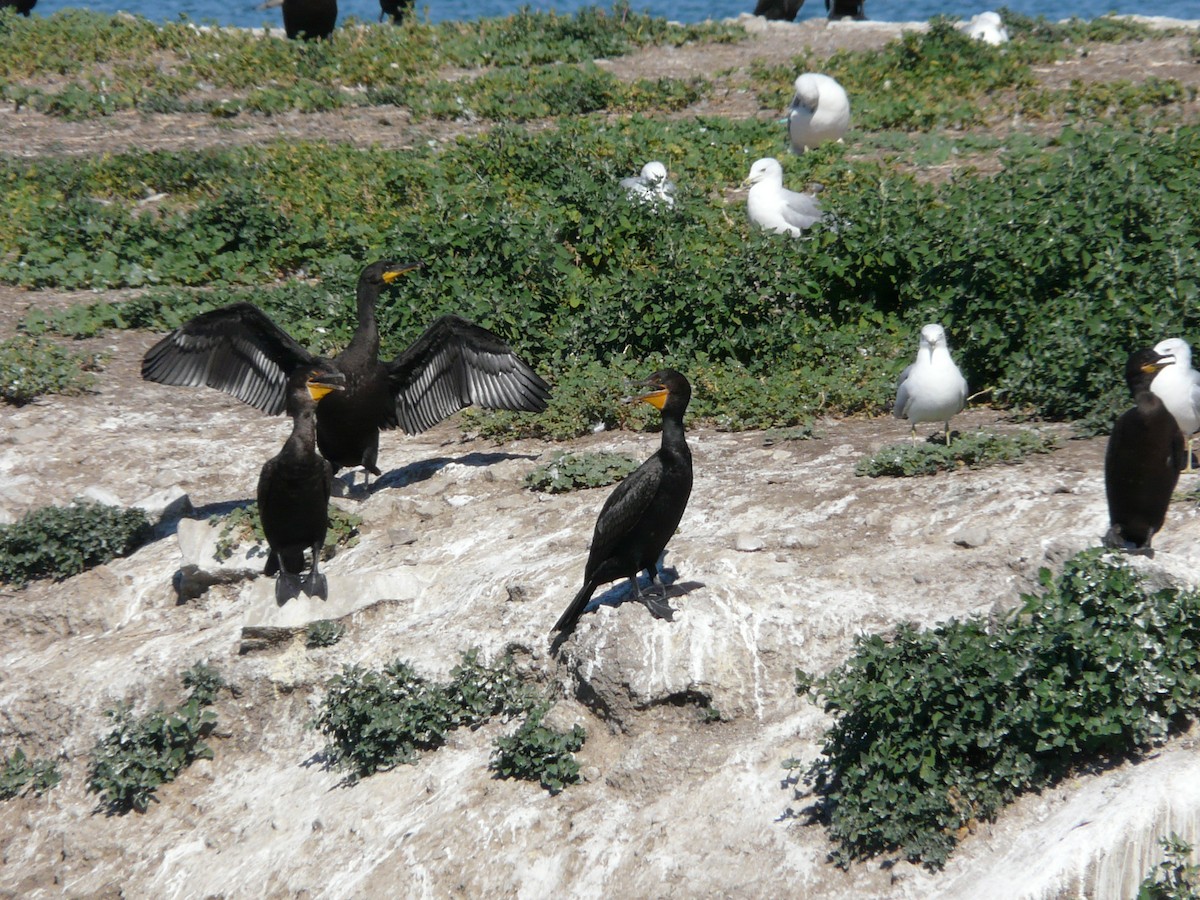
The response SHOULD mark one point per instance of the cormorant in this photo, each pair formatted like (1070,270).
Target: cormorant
(931,389)
(24,7)
(309,19)
(397,9)
(455,363)
(780,10)
(846,9)
(1143,458)
(1178,385)
(773,207)
(820,112)
(294,488)
(643,511)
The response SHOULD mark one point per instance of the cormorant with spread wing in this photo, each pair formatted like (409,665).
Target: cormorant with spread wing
(453,364)
(294,488)
(641,514)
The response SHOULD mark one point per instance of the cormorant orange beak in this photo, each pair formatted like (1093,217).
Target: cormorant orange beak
(656,398)
(396,271)
(321,383)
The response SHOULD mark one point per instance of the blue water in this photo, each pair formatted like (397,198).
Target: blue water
(244,14)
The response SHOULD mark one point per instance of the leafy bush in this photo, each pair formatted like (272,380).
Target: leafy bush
(31,367)
(975,449)
(935,730)
(19,775)
(1175,878)
(323,633)
(60,541)
(536,752)
(573,471)
(380,719)
(140,754)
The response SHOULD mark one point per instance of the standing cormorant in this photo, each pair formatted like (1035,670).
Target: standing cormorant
(294,488)
(24,7)
(397,9)
(643,511)
(931,389)
(309,19)
(1143,458)
(453,364)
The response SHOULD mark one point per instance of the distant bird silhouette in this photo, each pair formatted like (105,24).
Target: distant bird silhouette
(652,186)
(773,207)
(1178,385)
(21,6)
(987,27)
(785,10)
(845,9)
(397,9)
(294,488)
(932,389)
(309,19)
(453,364)
(641,514)
(1143,458)
(820,112)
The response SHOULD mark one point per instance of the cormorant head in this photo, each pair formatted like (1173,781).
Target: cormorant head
(666,386)
(1142,366)
(385,271)
(307,386)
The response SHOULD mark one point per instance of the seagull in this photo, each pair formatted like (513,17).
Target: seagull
(652,186)
(820,112)
(774,207)
(1178,386)
(987,27)
(931,389)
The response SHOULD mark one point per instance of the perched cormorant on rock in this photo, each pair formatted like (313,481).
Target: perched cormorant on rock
(309,19)
(652,186)
(294,488)
(773,207)
(845,9)
(785,10)
(1178,386)
(1143,458)
(820,112)
(641,514)
(453,364)
(24,7)
(397,9)
(931,389)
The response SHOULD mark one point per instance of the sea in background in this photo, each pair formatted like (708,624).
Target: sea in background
(244,13)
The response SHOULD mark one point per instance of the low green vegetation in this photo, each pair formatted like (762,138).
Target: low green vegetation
(244,524)
(537,752)
(1176,877)
(575,471)
(937,729)
(20,775)
(974,449)
(31,367)
(140,754)
(61,541)
(323,633)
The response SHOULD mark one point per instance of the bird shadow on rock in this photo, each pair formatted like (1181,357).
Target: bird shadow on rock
(424,469)
(622,591)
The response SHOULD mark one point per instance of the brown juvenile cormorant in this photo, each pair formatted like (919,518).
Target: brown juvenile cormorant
(239,350)
(294,488)
(642,513)
(1142,462)
(309,19)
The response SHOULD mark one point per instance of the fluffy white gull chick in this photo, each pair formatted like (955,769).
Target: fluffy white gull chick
(1178,386)
(820,112)
(931,389)
(652,186)
(774,207)
(987,27)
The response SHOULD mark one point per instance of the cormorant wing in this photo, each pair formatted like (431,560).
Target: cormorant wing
(236,349)
(455,364)
(624,508)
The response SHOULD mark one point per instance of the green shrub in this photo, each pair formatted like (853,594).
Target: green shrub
(19,775)
(31,367)
(974,449)
(937,729)
(1176,877)
(574,471)
(536,752)
(142,753)
(323,633)
(380,719)
(60,541)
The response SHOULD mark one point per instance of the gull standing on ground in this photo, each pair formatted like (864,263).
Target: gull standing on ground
(932,389)
(775,208)
(820,112)
(652,186)
(1178,386)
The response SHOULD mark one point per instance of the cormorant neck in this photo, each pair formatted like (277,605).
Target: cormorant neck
(303,439)
(672,429)
(368,329)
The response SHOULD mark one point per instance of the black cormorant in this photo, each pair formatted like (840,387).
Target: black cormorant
(453,364)
(643,511)
(1142,461)
(397,9)
(21,6)
(294,488)
(782,10)
(309,19)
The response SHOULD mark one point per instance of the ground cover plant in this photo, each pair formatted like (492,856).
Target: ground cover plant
(31,367)
(974,449)
(575,471)
(539,752)
(936,729)
(142,753)
(60,541)
(1176,877)
(20,775)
